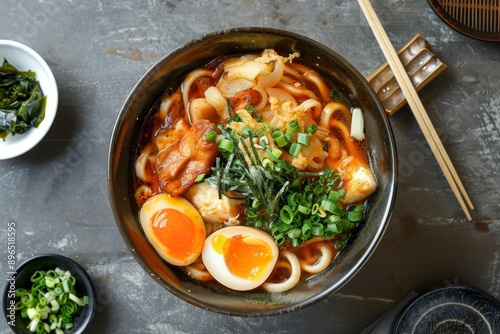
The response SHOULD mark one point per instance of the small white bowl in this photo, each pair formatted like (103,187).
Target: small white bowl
(24,58)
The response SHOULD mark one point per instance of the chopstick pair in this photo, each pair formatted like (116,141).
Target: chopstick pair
(417,108)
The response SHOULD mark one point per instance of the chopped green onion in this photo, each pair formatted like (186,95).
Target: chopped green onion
(268,164)
(267,126)
(306,231)
(65,285)
(259,132)
(37,276)
(359,207)
(279,239)
(315,219)
(54,306)
(294,233)
(291,199)
(347,225)
(49,281)
(297,242)
(250,110)
(334,196)
(225,145)
(276,153)
(286,214)
(295,149)
(279,138)
(336,96)
(51,302)
(303,138)
(211,136)
(303,209)
(33,324)
(339,245)
(59,272)
(292,127)
(354,216)
(247,131)
(263,143)
(328,206)
(317,229)
(75,299)
(334,218)
(199,178)
(32,313)
(335,228)
(311,129)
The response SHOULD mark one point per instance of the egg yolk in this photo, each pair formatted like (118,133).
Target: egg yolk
(177,233)
(245,257)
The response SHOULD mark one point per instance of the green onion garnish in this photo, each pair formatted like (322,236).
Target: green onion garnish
(225,145)
(276,153)
(292,127)
(293,206)
(268,164)
(336,96)
(303,138)
(286,214)
(295,149)
(311,129)
(51,303)
(247,131)
(279,138)
(211,136)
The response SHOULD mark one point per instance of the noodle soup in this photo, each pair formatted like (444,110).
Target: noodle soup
(253,173)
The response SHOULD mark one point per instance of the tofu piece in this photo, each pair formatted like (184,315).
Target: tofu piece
(359,184)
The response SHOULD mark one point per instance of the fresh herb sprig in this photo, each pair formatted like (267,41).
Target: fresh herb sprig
(22,103)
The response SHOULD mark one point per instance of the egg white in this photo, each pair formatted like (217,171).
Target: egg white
(164,201)
(215,264)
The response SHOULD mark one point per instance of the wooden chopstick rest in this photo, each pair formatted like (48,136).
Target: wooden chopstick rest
(421,64)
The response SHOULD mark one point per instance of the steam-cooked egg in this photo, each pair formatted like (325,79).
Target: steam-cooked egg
(240,257)
(174,228)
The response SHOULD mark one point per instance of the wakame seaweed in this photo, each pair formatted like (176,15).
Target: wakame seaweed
(22,103)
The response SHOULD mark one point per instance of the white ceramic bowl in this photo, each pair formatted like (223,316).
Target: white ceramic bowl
(24,58)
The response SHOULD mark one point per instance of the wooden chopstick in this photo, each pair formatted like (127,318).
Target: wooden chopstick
(417,107)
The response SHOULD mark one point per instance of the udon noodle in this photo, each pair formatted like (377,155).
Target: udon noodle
(260,141)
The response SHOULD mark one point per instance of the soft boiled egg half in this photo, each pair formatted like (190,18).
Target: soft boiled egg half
(174,228)
(240,257)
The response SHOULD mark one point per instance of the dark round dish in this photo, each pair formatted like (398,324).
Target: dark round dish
(452,309)
(167,73)
(470,18)
(84,286)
